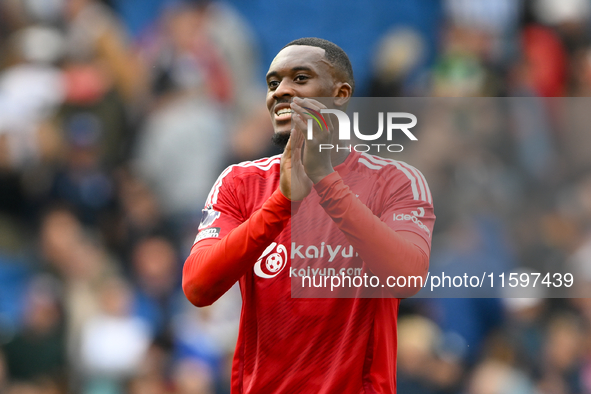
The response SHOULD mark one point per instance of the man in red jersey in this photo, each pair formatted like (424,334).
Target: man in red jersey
(365,212)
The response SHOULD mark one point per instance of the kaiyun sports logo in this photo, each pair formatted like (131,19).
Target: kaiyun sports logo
(269,265)
(345,129)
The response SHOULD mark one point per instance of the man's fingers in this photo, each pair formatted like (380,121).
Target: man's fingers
(317,106)
(297,142)
(305,106)
(299,123)
(299,118)
(298,109)
(287,150)
(309,103)
(297,138)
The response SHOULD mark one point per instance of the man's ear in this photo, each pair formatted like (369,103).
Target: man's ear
(343,94)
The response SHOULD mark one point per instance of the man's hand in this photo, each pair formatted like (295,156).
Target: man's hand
(294,183)
(317,164)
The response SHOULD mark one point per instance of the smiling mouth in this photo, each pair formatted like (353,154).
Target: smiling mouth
(283,114)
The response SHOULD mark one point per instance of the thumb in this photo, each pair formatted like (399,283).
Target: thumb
(287,150)
(298,139)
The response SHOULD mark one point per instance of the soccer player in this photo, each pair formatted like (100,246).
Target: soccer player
(360,211)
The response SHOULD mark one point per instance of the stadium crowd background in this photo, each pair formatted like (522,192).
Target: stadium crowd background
(116,117)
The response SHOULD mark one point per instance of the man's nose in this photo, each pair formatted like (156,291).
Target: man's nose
(285,89)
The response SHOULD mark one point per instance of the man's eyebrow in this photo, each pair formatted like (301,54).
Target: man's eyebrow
(272,74)
(294,69)
(301,68)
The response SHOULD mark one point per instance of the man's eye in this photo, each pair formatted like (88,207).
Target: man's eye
(300,78)
(273,84)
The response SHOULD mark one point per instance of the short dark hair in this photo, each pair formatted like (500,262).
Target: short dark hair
(333,53)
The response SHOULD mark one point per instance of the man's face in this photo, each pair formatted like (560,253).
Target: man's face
(297,71)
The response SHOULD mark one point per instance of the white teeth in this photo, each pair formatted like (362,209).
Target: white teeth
(284,111)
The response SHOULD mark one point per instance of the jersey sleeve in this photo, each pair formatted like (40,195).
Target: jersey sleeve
(386,252)
(408,207)
(222,211)
(228,244)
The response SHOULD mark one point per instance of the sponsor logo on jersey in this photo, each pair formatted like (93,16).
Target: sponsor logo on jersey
(413,218)
(208,216)
(420,212)
(324,251)
(272,261)
(212,232)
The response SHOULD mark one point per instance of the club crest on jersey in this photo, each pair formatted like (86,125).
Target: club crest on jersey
(269,265)
(208,217)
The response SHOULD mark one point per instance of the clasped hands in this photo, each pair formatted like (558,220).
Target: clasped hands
(303,163)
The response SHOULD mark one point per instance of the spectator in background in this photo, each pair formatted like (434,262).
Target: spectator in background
(203,45)
(203,88)
(462,69)
(98,52)
(104,77)
(477,41)
(113,342)
(207,336)
(425,366)
(32,88)
(399,53)
(562,352)
(524,332)
(153,374)
(493,377)
(541,70)
(185,134)
(192,377)
(37,353)
(83,182)
(580,83)
(185,60)
(175,151)
(139,216)
(569,18)
(79,264)
(156,277)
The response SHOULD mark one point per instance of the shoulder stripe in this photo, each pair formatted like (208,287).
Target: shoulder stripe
(420,175)
(419,179)
(262,164)
(413,174)
(427,190)
(411,177)
(368,165)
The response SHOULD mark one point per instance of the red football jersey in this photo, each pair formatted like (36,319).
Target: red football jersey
(316,345)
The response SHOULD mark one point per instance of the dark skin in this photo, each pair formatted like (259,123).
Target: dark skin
(297,73)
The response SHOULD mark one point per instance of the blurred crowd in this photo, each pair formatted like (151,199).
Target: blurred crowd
(111,137)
